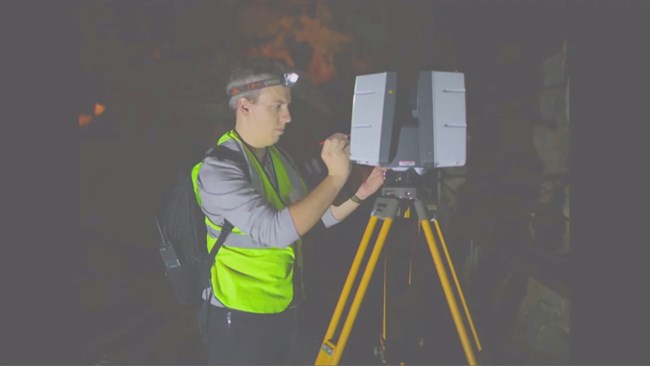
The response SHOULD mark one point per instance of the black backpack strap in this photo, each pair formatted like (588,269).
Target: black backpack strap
(225,230)
(221,152)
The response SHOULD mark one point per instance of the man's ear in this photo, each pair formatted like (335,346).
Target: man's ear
(243,105)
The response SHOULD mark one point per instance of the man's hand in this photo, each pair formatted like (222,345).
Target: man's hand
(369,186)
(372,183)
(308,211)
(336,156)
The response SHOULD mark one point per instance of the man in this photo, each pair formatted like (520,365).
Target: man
(255,279)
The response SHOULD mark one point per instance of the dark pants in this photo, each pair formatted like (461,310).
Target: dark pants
(234,337)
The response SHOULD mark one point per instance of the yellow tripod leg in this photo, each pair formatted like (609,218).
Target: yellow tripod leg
(460,291)
(383,319)
(363,286)
(327,348)
(329,353)
(451,300)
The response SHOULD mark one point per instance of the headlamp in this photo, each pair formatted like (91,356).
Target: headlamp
(288,79)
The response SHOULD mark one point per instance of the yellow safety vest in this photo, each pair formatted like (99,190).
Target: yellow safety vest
(257,280)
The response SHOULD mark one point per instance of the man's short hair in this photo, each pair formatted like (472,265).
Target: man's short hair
(250,71)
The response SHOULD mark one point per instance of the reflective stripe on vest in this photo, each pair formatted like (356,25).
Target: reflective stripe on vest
(246,276)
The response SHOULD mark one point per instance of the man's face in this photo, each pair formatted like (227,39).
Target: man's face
(270,114)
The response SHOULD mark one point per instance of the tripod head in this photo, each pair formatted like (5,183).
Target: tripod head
(409,184)
(406,188)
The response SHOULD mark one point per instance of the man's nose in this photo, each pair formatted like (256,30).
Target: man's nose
(285,116)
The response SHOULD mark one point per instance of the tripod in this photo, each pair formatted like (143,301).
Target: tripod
(386,207)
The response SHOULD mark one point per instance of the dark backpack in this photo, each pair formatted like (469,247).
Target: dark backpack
(182,232)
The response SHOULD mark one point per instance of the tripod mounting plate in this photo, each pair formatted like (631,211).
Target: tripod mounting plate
(402,193)
(390,207)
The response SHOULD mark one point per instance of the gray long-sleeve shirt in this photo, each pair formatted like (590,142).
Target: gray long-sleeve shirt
(226,192)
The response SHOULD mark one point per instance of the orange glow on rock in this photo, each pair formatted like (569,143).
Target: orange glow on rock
(309,23)
(321,68)
(99,109)
(84,120)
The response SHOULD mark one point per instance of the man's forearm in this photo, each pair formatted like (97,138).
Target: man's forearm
(308,211)
(344,209)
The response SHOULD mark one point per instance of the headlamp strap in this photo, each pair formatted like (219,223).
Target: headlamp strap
(255,85)
(288,80)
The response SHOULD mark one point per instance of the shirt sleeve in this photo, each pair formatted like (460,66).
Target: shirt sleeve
(225,192)
(328,219)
